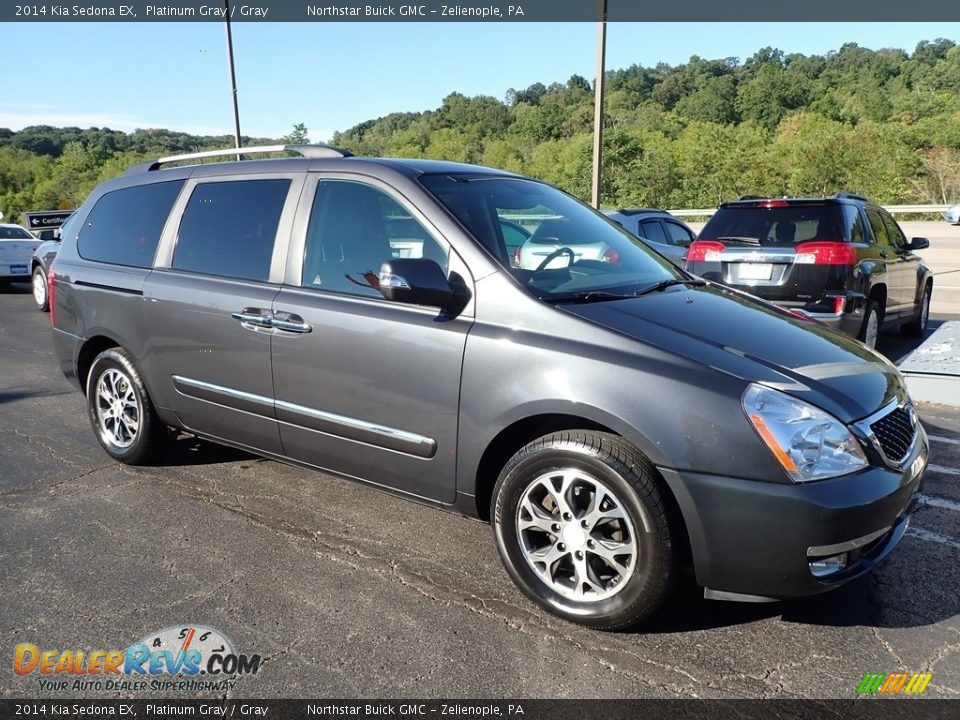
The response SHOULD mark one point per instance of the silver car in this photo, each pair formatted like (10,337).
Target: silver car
(952,215)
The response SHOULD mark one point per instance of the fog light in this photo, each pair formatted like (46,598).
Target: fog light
(826,566)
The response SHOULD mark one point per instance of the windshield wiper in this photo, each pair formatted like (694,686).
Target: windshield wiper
(669,282)
(587,296)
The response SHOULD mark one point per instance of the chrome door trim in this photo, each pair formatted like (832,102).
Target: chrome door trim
(355,429)
(289,413)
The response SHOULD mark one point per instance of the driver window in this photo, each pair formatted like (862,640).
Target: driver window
(355,228)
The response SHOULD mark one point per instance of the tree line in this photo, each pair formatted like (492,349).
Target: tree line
(884,123)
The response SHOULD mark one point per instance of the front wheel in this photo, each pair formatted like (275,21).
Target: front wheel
(121,411)
(40,296)
(583,529)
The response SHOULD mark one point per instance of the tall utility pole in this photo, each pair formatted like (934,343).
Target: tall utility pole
(233,76)
(598,104)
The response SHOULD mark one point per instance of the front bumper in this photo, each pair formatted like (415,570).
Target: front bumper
(760,539)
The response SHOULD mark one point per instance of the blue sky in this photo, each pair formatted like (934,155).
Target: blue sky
(331,76)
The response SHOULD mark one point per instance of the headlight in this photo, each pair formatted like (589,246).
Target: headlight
(809,443)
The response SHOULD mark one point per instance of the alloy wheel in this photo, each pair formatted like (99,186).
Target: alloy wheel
(118,409)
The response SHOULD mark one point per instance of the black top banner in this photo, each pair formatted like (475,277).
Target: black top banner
(481,11)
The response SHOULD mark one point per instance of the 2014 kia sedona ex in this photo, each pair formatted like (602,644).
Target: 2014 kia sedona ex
(615,418)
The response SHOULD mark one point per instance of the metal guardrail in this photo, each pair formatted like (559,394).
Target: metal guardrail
(892,209)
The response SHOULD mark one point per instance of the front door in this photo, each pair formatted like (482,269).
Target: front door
(366,387)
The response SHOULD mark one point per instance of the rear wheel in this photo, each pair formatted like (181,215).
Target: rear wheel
(870,328)
(583,529)
(40,296)
(121,411)
(918,326)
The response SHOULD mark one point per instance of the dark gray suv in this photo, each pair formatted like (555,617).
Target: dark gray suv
(617,420)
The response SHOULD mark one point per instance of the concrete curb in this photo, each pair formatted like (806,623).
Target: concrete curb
(932,371)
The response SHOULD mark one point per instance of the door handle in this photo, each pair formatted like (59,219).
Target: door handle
(290,322)
(253,316)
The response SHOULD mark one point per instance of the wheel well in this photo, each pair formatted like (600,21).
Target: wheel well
(878,293)
(91,348)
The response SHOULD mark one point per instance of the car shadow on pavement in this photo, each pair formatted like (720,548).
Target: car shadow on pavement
(860,603)
(16,288)
(189,450)
(7,396)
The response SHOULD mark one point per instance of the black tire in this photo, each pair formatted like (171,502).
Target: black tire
(40,298)
(122,382)
(918,326)
(617,468)
(872,310)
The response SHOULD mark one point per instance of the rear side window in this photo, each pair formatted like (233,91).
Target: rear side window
(876,224)
(854,222)
(651,230)
(124,226)
(679,235)
(229,228)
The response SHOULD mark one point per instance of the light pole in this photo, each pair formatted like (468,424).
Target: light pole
(598,104)
(233,76)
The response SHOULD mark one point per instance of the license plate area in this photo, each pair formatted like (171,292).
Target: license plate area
(18,270)
(754,271)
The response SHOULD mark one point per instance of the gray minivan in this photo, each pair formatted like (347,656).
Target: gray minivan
(616,420)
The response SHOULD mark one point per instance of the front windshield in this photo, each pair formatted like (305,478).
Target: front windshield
(571,250)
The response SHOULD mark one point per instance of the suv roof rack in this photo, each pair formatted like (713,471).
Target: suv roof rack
(851,196)
(751,197)
(307,151)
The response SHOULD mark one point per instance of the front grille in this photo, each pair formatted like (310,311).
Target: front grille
(895,432)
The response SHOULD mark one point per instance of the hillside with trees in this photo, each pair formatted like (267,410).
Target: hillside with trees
(884,123)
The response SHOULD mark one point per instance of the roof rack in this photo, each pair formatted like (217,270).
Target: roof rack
(307,151)
(751,197)
(851,196)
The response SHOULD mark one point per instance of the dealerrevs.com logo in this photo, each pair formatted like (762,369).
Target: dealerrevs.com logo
(894,683)
(187,658)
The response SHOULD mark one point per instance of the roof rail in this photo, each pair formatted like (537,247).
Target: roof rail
(307,151)
(851,196)
(751,197)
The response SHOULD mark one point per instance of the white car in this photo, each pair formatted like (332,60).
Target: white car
(952,215)
(16,252)
(557,243)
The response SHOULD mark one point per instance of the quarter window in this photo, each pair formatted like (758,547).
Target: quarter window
(124,226)
(354,229)
(229,228)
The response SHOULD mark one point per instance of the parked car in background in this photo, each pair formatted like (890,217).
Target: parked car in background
(16,249)
(616,419)
(662,231)
(40,266)
(952,215)
(842,260)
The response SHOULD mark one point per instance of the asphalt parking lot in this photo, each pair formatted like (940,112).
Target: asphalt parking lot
(348,592)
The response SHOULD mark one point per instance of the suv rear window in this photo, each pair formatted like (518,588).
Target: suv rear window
(776,226)
(124,226)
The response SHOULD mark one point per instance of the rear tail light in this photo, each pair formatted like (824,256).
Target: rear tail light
(825,253)
(52,296)
(705,251)
(516,256)
(611,256)
(838,303)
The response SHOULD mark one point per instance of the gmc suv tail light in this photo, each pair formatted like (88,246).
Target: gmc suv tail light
(516,257)
(705,251)
(825,253)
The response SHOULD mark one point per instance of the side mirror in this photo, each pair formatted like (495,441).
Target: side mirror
(415,281)
(919,244)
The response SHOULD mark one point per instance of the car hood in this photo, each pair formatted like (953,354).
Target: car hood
(737,334)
